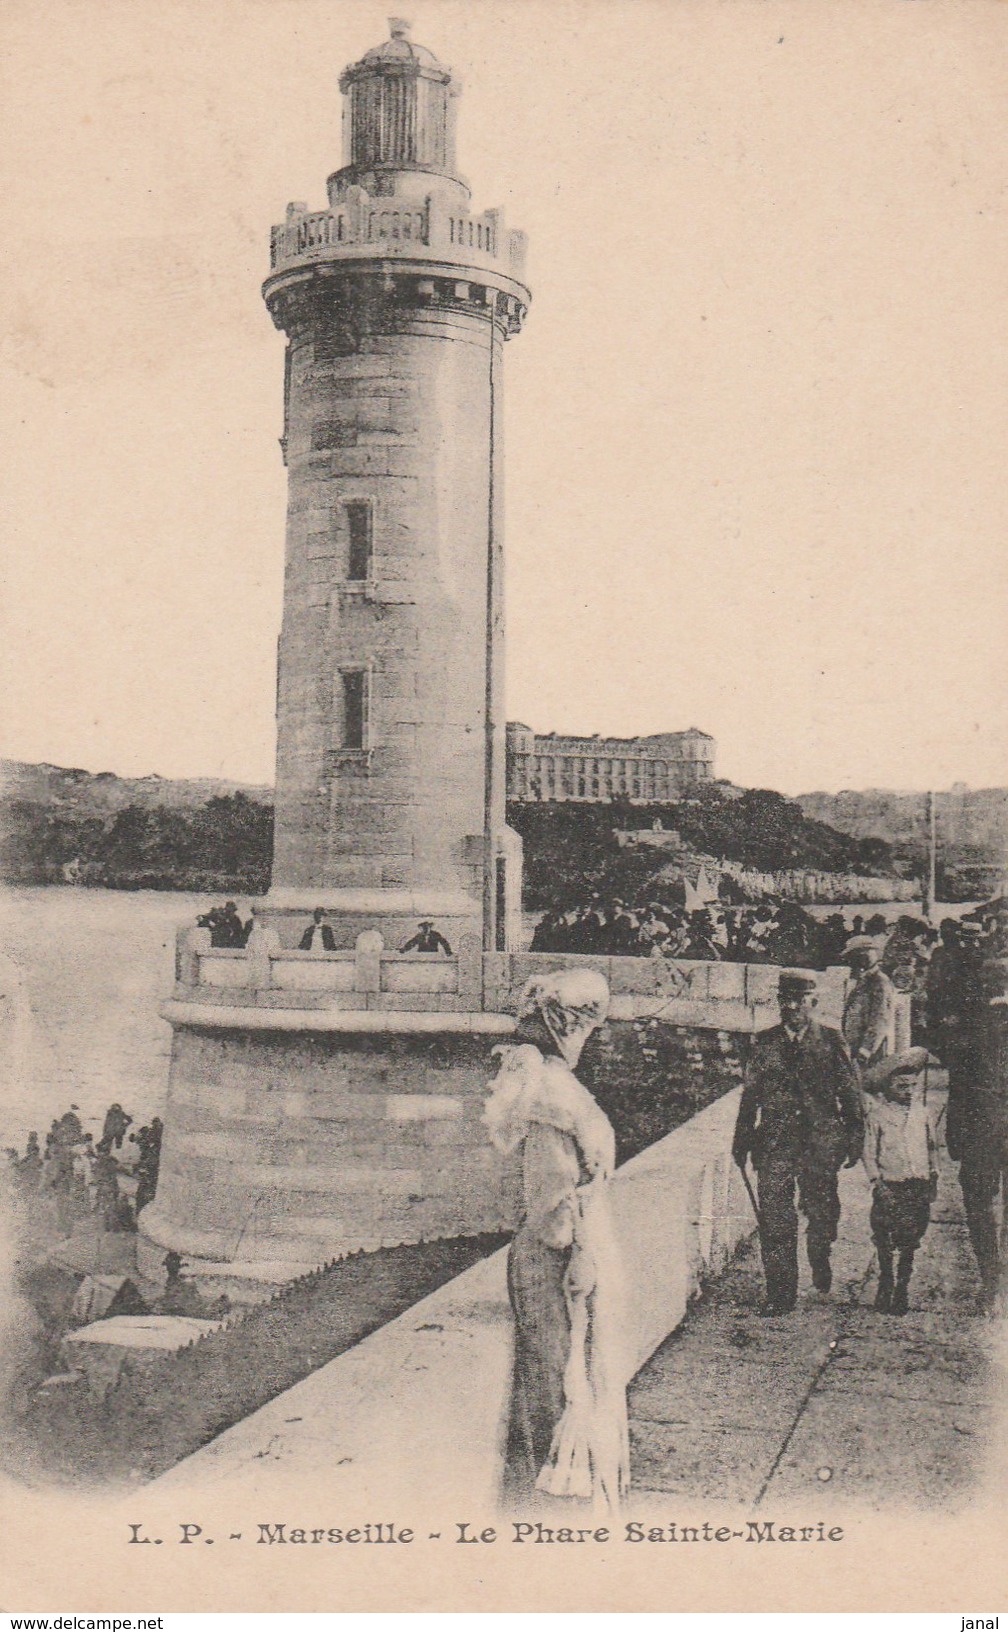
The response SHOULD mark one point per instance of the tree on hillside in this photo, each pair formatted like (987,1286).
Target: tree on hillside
(225,844)
(571,848)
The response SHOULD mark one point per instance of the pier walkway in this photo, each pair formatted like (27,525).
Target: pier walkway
(834,1404)
(833,1407)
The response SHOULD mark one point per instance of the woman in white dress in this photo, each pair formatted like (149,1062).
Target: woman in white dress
(567,1435)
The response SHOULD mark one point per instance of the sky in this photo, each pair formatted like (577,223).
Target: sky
(755,423)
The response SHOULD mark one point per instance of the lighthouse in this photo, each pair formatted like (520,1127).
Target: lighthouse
(396,301)
(327,1099)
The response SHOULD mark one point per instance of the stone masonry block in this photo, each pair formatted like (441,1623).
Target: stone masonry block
(469,954)
(221,997)
(194,1169)
(761,983)
(527,963)
(308,1000)
(225,973)
(236,1144)
(422,1107)
(341,1181)
(224,1102)
(314,974)
(419,974)
(190,943)
(368,951)
(454,1133)
(726,982)
(640,975)
(262,944)
(417,1002)
(320,1111)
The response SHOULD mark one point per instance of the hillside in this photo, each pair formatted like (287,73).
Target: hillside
(102,792)
(61,826)
(572,849)
(971,826)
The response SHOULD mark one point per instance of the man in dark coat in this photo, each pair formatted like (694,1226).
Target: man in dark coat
(224,924)
(944,973)
(977,1132)
(148,1143)
(427,939)
(116,1123)
(800,1119)
(318,937)
(953,986)
(105,1172)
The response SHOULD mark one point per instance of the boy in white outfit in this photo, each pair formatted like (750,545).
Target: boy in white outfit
(899,1157)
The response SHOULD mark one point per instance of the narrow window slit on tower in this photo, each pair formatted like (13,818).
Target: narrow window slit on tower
(360,528)
(355,700)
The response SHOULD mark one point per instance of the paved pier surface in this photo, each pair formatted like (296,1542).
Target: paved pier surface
(833,1403)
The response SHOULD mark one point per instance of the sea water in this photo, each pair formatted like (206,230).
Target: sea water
(83,973)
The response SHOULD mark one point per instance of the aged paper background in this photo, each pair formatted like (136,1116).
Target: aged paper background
(135,270)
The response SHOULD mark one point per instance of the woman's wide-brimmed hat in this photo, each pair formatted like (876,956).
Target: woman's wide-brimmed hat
(581,994)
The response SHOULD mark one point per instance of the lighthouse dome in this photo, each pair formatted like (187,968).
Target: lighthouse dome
(399,50)
(399,114)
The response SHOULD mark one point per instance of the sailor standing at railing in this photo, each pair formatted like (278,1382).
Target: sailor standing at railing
(318,937)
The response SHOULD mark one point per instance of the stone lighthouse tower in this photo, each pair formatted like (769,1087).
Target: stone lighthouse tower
(323,1099)
(395,301)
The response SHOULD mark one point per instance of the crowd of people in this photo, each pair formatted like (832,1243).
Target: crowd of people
(775,932)
(101,1179)
(780,932)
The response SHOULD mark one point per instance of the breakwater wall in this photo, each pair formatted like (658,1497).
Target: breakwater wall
(416,1413)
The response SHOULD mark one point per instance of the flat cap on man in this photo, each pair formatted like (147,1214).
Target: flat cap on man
(795,983)
(910,1063)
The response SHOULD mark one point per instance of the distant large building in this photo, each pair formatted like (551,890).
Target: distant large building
(642,769)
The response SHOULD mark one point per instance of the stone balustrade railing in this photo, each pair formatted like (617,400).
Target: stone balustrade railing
(268,975)
(732,997)
(397,227)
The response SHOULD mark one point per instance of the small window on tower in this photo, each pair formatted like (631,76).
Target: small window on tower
(359,525)
(355,689)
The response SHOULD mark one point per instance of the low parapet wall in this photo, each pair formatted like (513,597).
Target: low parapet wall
(738,997)
(416,1413)
(371,980)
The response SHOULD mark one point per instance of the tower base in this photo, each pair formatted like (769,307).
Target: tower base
(396,913)
(292,1138)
